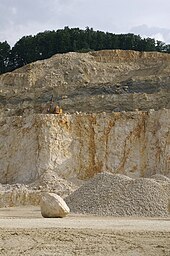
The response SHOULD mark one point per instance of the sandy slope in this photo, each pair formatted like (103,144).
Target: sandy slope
(24,232)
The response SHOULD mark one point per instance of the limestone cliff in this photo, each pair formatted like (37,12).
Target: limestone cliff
(113,80)
(80,145)
(103,137)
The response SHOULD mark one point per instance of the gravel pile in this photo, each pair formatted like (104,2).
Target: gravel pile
(51,182)
(165,182)
(119,195)
(160,177)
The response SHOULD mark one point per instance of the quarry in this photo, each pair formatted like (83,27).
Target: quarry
(107,153)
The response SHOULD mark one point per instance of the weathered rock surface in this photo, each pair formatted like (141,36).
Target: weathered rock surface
(113,80)
(49,151)
(18,194)
(81,145)
(53,206)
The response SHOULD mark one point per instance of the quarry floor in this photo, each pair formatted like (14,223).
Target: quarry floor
(23,231)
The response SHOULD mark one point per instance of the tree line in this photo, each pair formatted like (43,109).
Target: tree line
(45,44)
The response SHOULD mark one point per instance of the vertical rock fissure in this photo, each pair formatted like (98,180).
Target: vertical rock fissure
(93,168)
(107,131)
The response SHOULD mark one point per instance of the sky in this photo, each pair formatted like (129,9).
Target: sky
(148,18)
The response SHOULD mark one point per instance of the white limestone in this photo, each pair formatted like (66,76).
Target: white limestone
(78,146)
(53,206)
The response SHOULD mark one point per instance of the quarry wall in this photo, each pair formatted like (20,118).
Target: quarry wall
(81,145)
(109,80)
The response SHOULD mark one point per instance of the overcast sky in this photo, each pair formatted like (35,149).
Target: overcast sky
(149,18)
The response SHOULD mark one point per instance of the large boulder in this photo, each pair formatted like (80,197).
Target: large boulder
(53,206)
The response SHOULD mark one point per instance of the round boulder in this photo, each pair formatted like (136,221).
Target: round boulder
(53,206)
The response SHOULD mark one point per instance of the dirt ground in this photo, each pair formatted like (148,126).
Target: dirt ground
(24,232)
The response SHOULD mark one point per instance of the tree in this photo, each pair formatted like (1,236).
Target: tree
(160,46)
(47,43)
(167,48)
(149,44)
(4,56)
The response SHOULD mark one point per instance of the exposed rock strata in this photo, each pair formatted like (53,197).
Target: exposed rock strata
(16,195)
(47,152)
(112,80)
(20,194)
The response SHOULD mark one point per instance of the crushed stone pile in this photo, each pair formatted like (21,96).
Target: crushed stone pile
(165,183)
(160,177)
(118,195)
(51,182)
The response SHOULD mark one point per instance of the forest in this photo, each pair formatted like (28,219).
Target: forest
(47,43)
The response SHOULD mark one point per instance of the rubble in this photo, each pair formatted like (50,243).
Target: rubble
(118,195)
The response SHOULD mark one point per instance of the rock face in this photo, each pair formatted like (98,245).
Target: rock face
(15,195)
(103,137)
(81,145)
(20,194)
(113,80)
(53,206)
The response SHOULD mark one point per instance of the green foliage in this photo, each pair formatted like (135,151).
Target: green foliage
(45,44)
(4,56)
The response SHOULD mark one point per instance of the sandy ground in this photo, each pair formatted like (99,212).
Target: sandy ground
(24,232)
